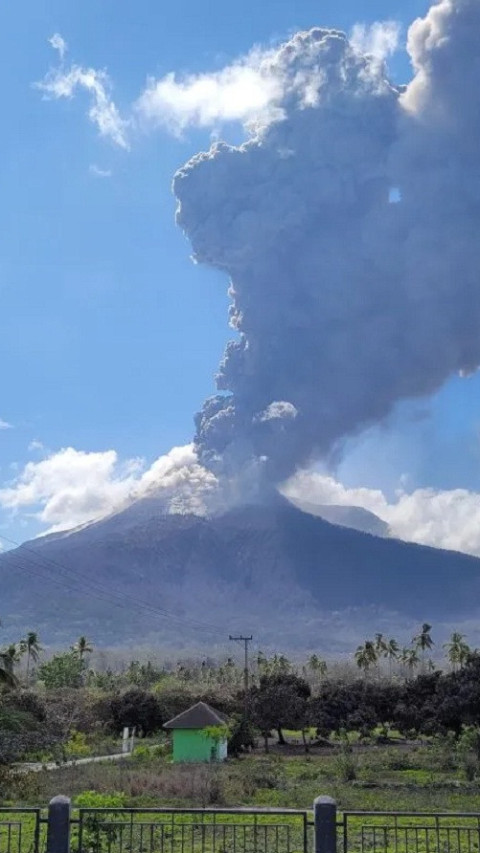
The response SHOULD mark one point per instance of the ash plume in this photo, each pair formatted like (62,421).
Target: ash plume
(343,302)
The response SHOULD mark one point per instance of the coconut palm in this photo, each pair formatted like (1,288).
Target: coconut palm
(392,651)
(82,647)
(317,665)
(423,641)
(7,677)
(32,648)
(457,650)
(366,656)
(410,658)
(9,657)
(380,645)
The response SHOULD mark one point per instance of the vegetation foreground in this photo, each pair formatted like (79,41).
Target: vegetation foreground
(390,732)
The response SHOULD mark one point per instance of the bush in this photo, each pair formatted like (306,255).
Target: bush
(77,746)
(135,708)
(345,764)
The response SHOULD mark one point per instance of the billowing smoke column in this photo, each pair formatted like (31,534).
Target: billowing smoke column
(344,302)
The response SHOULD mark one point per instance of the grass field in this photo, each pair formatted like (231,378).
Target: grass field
(408,778)
(412,778)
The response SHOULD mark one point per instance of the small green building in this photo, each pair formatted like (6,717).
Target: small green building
(192,740)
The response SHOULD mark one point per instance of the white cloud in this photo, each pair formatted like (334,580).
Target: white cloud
(98,172)
(249,90)
(58,43)
(443,519)
(72,487)
(36,445)
(64,82)
(5,424)
(242,92)
(380,39)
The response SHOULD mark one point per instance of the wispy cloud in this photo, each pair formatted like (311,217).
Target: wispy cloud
(65,82)
(380,39)
(249,89)
(98,172)
(5,424)
(58,43)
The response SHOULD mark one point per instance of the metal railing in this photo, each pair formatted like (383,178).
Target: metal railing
(21,830)
(401,832)
(196,830)
(166,830)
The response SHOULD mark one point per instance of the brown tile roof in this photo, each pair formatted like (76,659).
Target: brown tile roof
(199,716)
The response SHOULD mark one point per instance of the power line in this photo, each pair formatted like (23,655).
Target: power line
(89,587)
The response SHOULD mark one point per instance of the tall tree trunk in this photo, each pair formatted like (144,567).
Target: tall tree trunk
(281,739)
(265,742)
(305,744)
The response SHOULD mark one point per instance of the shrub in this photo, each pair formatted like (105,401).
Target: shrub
(77,746)
(345,764)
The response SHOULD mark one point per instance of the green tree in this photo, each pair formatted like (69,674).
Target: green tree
(279,701)
(366,656)
(10,656)
(392,652)
(63,670)
(457,650)
(423,641)
(380,645)
(7,676)
(317,665)
(409,658)
(82,647)
(32,648)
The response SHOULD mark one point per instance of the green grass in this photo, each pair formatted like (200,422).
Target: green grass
(385,778)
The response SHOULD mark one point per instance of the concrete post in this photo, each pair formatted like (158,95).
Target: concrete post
(58,827)
(325,820)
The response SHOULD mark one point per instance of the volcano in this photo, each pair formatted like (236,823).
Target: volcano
(144,578)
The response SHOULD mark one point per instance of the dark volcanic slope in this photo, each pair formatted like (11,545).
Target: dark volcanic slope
(273,568)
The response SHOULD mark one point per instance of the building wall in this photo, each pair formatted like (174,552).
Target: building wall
(192,745)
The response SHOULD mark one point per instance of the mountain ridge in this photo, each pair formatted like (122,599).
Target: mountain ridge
(290,576)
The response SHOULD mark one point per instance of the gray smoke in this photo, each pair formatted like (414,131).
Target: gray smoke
(344,302)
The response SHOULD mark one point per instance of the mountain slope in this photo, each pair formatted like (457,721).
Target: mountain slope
(292,578)
(355,517)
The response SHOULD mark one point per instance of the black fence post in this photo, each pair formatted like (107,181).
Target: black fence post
(58,827)
(325,820)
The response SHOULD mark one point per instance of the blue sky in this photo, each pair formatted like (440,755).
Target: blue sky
(109,335)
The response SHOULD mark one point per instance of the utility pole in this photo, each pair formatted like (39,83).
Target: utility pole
(245,641)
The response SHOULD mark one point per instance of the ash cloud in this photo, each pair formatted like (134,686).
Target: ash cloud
(343,303)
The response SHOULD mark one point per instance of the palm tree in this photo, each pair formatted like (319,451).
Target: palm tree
(392,650)
(410,659)
(457,650)
(317,665)
(423,641)
(31,646)
(366,656)
(380,646)
(9,657)
(7,677)
(82,647)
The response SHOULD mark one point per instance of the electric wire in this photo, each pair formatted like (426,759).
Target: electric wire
(32,562)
